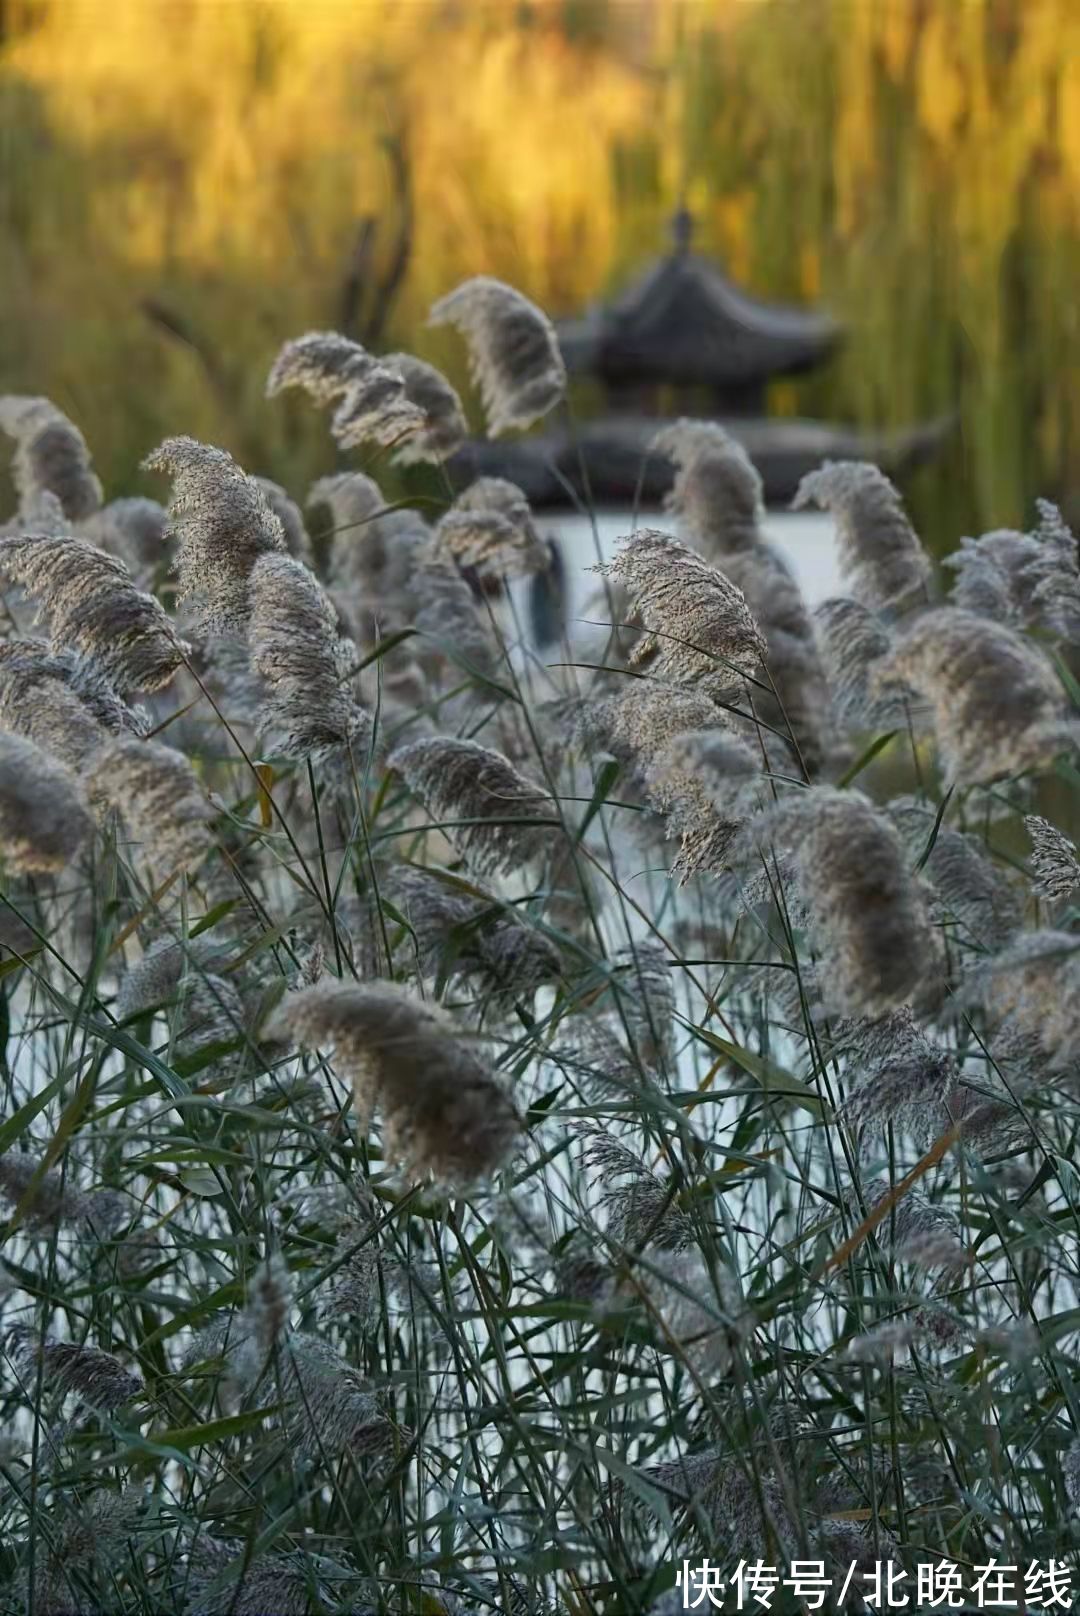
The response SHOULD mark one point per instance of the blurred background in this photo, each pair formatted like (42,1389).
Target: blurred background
(186,184)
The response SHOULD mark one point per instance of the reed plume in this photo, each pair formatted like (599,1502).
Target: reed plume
(205,1007)
(93,1533)
(496,817)
(699,781)
(51,456)
(28,666)
(443,1111)
(998,706)
(1053,860)
(1025,580)
(797,703)
(289,514)
(1070,1474)
(644,986)
(464,933)
(297,652)
(222,523)
(490,527)
(689,767)
(446,613)
(371,398)
(514,353)
(880,555)
(1054,574)
(990,576)
(445,427)
(701,1315)
(158,795)
(352,500)
(896,1077)
(696,622)
(641,1207)
(918,1230)
(42,699)
(966,883)
(322,1407)
(48,1203)
(94,609)
(133,529)
(867,914)
(853,641)
(717,494)
(43,820)
(1032,987)
(66,1368)
(226,1580)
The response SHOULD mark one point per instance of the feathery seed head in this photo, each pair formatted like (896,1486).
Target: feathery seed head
(50,456)
(297,652)
(95,609)
(1070,1474)
(1053,859)
(644,985)
(95,1377)
(702,1315)
(880,554)
(373,406)
(43,819)
(641,1208)
(797,705)
(206,1007)
(443,1110)
(969,887)
(697,623)
(445,427)
(920,1231)
(904,1085)
(265,1323)
(514,354)
(474,937)
(289,515)
(49,1203)
(866,911)
(1053,574)
(324,1408)
(158,794)
(42,700)
(133,529)
(990,576)
(853,641)
(222,522)
(490,527)
(697,781)
(1034,984)
(998,705)
(717,493)
(351,498)
(498,819)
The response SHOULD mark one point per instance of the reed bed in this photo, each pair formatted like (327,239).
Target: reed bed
(480,1129)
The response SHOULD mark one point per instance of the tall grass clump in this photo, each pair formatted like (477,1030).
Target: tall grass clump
(475,1133)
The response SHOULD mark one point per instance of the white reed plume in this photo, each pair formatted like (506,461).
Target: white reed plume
(51,456)
(444,1111)
(372,403)
(880,555)
(222,523)
(513,351)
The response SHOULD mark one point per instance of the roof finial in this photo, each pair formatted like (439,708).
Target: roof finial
(682,228)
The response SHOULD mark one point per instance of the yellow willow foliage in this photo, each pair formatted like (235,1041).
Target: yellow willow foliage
(913,164)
